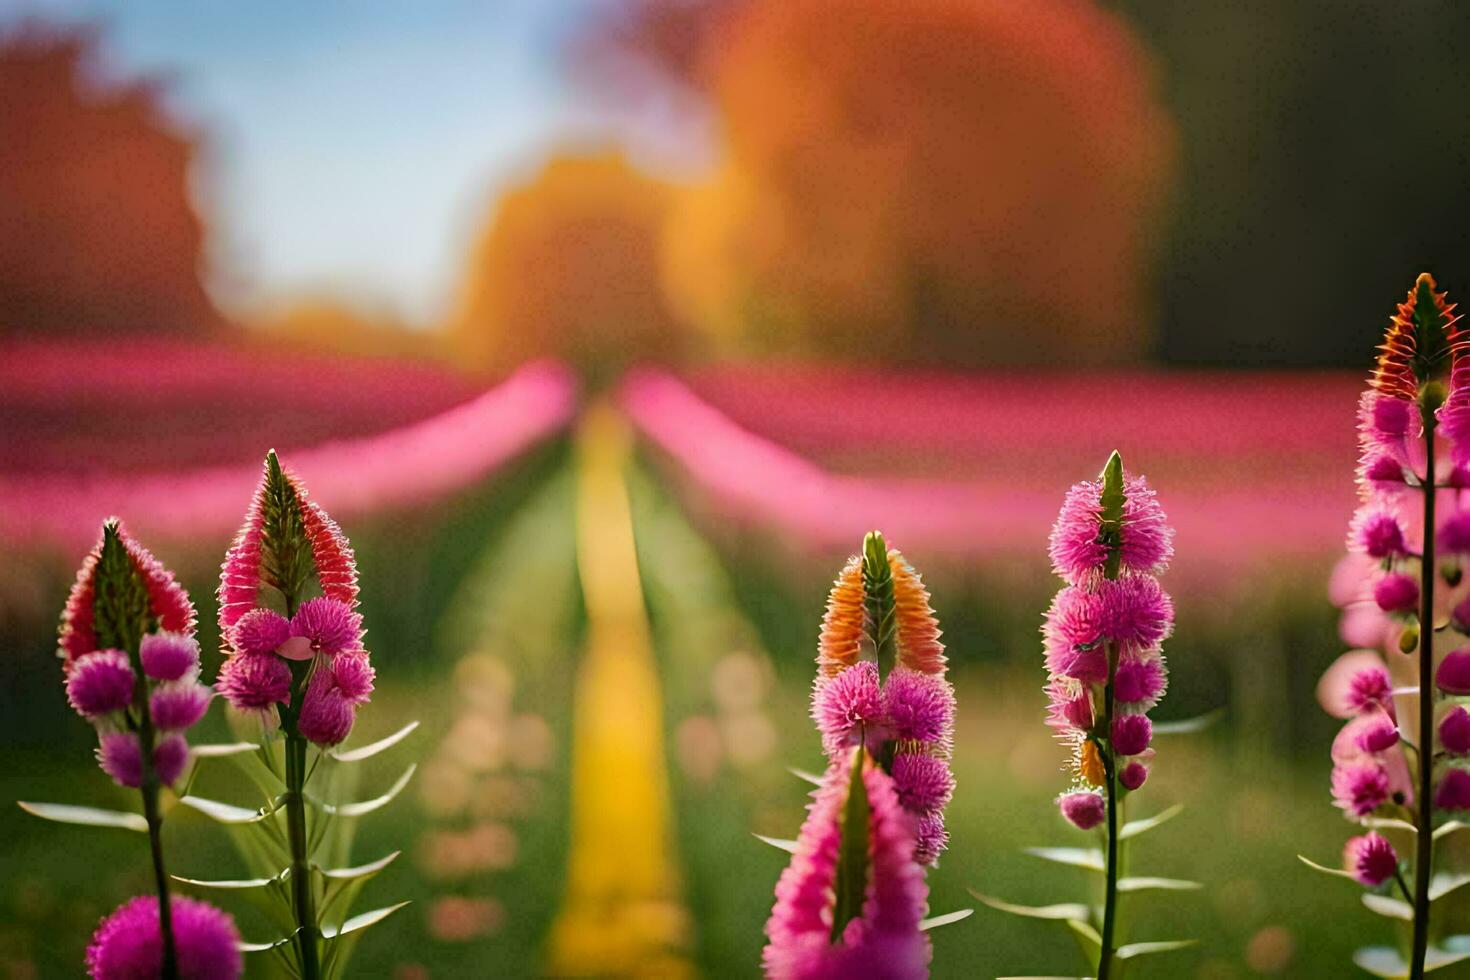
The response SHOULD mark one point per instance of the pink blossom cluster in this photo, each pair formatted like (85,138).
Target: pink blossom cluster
(128,944)
(1103,637)
(884,940)
(323,634)
(104,686)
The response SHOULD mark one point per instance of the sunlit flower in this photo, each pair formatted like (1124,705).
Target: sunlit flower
(254,681)
(128,944)
(1080,546)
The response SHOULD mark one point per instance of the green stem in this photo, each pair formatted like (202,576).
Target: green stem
(1424,844)
(1110,771)
(170,965)
(303,902)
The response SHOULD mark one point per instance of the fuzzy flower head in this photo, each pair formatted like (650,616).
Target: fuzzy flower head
(1093,533)
(1423,338)
(1359,787)
(169,656)
(121,756)
(254,682)
(128,944)
(879,622)
(121,594)
(813,931)
(1083,809)
(101,683)
(1371,859)
(1377,533)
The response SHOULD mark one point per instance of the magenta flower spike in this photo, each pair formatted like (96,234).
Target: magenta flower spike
(1409,541)
(295,674)
(128,943)
(851,900)
(131,668)
(1102,638)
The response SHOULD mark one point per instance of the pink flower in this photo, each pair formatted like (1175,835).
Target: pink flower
(169,656)
(1370,689)
(254,681)
(1454,533)
(1133,775)
(1454,790)
(329,625)
(884,939)
(919,706)
(923,782)
(1131,734)
(100,683)
(168,603)
(259,631)
(1452,676)
(1397,593)
(843,704)
(1360,787)
(931,839)
(1377,533)
(128,944)
(1379,735)
(1083,809)
(1371,859)
(1139,681)
(1136,613)
(1077,549)
(1454,731)
(120,756)
(326,714)
(170,757)
(354,675)
(177,705)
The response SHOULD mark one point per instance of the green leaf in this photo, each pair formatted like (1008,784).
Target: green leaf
(222,751)
(85,815)
(368,806)
(1391,908)
(121,611)
(1135,827)
(851,881)
(1189,726)
(1087,938)
(359,922)
(1442,884)
(285,551)
(361,871)
(934,922)
(789,846)
(1157,884)
(1135,950)
(1077,857)
(1438,959)
(234,884)
(1339,872)
(1059,913)
(225,812)
(802,774)
(341,886)
(368,751)
(1449,827)
(880,617)
(1381,961)
(262,947)
(1390,823)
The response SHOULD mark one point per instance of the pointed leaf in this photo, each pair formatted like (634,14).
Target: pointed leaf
(805,776)
(368,806)
(361,871)
(235,884)
(262,947)
(789,846)
(85,815)
(1077,857)
(1189,726)
(1449,827)
(851,881)
(1392,908)
(1381,961)
(1438,959)
(1059,913)
(1087,938)
(225,812)
(1390,823)
(360,922)
(1157,884)
(1442,884)
(1134,950)
(1135,827)
(368,751)
(1339,872)
(934,922)
(222,751)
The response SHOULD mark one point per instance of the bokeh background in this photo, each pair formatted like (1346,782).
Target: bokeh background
(606,327)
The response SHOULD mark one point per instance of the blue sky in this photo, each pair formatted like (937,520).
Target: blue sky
(353,148)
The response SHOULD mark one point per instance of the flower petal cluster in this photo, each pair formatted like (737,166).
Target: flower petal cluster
(908,716)
(128,944)
(1103,635)
(124,597)
(884,940)
(287,549)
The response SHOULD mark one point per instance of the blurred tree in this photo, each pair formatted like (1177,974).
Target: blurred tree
(568,267)
(958,181)
(97,229)
(325,324)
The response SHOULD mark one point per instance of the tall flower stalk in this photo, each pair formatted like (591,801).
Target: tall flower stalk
(131,667)
(854,894)
(295,673)
(1410,536)
(1103,638)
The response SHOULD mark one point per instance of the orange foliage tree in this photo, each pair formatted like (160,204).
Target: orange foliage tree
(971,181)
(97,231)
(568,267)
